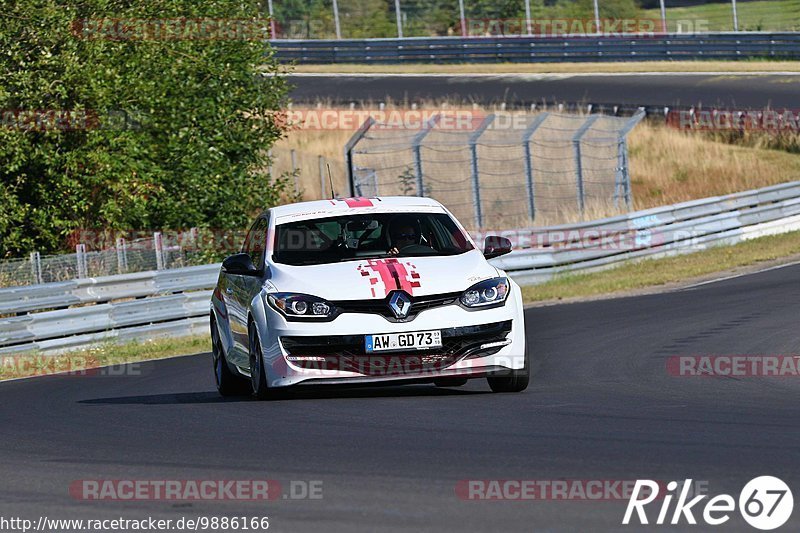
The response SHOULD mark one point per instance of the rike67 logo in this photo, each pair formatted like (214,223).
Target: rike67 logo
(765,503)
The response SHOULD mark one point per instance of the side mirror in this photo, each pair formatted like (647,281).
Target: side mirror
(239,264)
(495,246)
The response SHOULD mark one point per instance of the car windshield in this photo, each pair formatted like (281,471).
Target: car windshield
(372,236)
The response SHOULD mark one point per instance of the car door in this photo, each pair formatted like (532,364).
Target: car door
(237,301)
(250,286)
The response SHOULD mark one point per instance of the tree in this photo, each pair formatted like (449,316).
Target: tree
(162,131)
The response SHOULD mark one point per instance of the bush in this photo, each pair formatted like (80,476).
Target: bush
(163,133)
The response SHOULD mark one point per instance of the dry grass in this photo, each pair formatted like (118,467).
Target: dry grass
(667,166)
(556,68)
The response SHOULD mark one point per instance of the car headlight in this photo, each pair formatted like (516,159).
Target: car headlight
(293,305)
(488,292)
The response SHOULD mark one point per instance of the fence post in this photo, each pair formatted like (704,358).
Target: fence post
(80,259)
(272,32)
(348,153)
(528,25)
(576,143)
(36,267)
(526,147)
(416,144)
(158,246)
(321,176)
(623,177)
(293,157)
(597,17)
(476,182)
(735,16)
(462,18)
(122,255)
(399,17)
(336,19)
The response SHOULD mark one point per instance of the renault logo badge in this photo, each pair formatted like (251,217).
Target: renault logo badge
(400,304)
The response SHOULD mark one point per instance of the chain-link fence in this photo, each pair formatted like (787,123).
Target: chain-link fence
(500,170)
(351,19)
(158,252)
(309,171)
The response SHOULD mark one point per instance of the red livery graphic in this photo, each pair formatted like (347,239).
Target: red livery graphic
(358,201)
(393,274)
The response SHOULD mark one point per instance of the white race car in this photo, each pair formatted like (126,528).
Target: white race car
(365,291)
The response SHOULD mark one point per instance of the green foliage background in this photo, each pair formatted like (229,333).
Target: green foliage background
(188,154)
(425,18)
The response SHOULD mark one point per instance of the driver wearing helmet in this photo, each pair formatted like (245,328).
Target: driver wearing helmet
(403,232)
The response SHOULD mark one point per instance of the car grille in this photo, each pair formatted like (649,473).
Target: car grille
(381,307)
(347,353)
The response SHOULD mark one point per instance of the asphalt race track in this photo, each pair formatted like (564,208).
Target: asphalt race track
(601,407)
(730,91)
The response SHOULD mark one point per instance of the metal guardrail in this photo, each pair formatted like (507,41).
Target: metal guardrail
(674,46)
(543,253)
(175,302)
(103,289)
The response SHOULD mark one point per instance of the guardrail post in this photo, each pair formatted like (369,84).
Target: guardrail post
(348,152)
(476,182)
(80,259)
(122,255)
(416,144)
(576,143)
(526,147)
(158,246)
(36,267)
(622,185)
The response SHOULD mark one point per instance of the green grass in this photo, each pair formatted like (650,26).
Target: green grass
(768,15)
(36,364)
(657,272)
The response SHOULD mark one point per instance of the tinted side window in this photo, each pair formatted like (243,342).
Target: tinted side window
(256,242)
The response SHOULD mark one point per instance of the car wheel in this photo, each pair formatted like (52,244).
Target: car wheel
(450,382)
(258,377)
(228,384)
(512,380)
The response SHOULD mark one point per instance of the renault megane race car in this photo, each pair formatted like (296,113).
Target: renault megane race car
(365,291)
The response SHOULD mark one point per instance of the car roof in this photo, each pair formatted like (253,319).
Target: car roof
(355,206)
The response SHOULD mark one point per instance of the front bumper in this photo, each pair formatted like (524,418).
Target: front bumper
(475,343)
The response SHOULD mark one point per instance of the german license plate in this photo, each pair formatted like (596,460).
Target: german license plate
(418,340)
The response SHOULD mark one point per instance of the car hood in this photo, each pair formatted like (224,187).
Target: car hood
(375,278)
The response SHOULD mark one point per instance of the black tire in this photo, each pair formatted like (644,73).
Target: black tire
(228,383)
(450,382)
(258,376)
(512,380)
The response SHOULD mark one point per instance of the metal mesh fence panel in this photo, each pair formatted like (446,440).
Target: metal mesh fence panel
(502,171)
